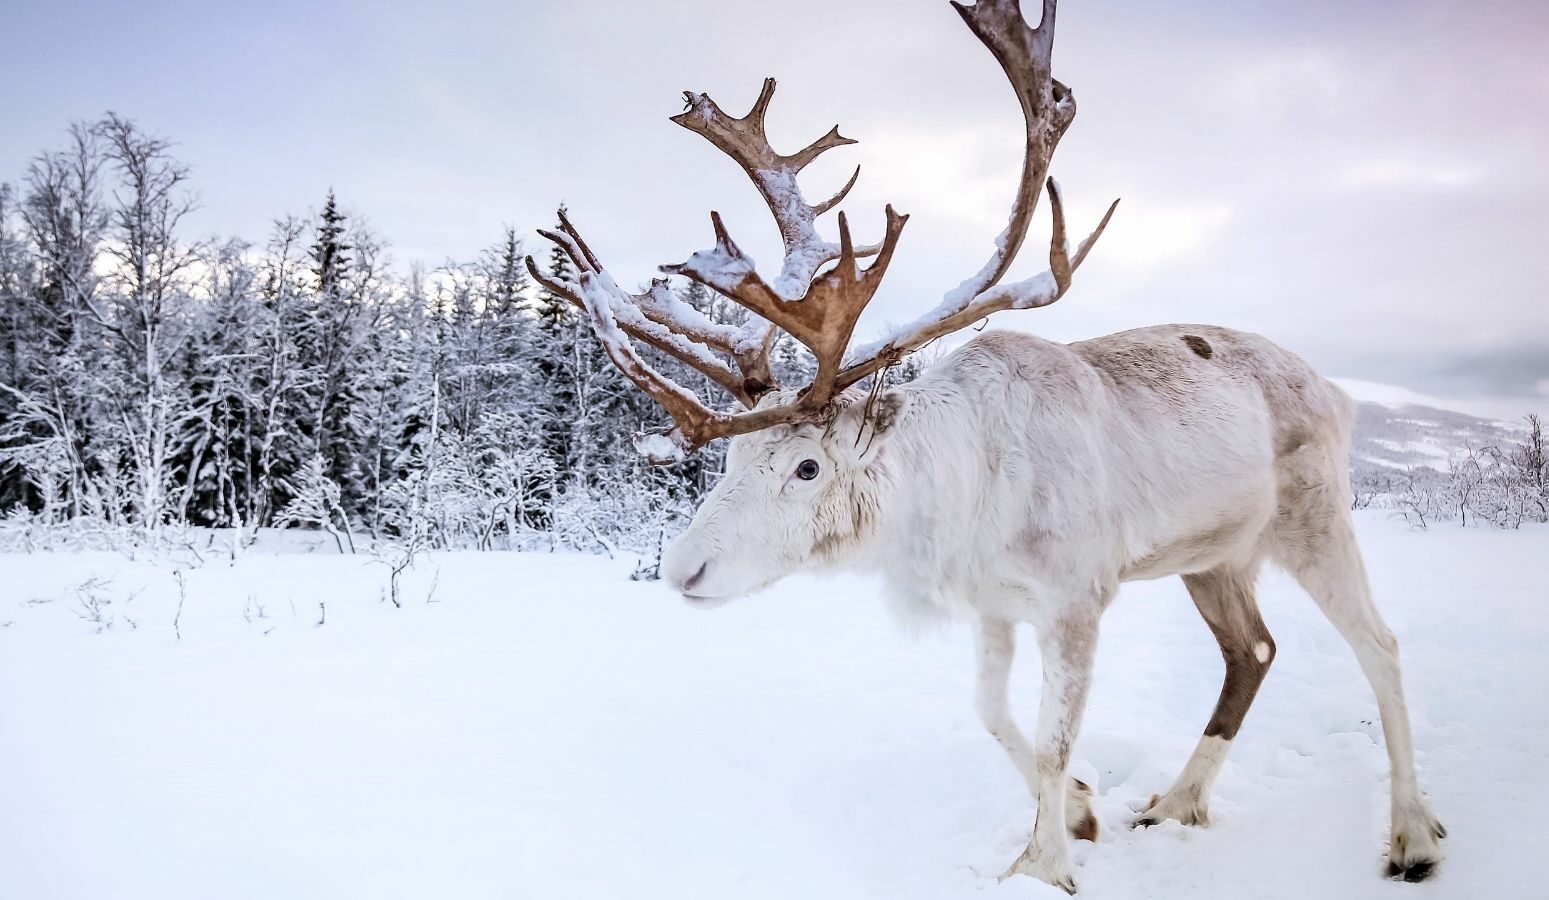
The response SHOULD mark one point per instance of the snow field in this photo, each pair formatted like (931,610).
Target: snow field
(538,726)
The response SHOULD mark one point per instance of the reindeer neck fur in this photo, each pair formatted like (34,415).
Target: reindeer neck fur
(954,498)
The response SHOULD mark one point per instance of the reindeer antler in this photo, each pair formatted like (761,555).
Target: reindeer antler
(819,310)
(821,316)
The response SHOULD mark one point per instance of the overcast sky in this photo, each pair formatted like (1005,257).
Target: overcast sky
(1365,182)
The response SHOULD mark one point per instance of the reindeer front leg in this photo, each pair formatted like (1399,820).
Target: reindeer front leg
(1067,645)
(995,642)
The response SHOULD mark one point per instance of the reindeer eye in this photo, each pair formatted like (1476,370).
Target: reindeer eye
(807,469)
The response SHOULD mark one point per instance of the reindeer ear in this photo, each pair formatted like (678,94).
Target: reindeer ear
(866,421)
(887,409)
(859,421)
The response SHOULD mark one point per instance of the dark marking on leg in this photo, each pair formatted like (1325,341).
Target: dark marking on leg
(1199,345)
(1227,602)
(1244,673)
(1085,828)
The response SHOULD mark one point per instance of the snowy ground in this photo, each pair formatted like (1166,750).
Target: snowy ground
(537,726)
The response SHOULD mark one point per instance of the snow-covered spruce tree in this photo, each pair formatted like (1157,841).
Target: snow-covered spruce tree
(502,266)
(552,311)
(475,472)
(280,391)
(223,369)
(17,286)
(392,395)
(332,341)
(558,331)
(494,417)
(519,416)
(488,333)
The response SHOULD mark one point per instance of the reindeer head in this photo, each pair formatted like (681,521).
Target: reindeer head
(803,477)
(795,496)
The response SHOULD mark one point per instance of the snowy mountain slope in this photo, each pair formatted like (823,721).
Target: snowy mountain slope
(538,726)
(1408,435)
(1397,428)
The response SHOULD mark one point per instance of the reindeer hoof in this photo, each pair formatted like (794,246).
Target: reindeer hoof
(1415,871)
(1046,867)
(1415,850)
(1187,808)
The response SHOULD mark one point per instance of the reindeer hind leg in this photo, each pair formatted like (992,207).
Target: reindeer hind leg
(1315,541)
(1225,597)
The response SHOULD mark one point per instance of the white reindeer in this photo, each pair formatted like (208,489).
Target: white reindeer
(1018,480)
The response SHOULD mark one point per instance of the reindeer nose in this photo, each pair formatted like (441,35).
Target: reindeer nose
(699,574)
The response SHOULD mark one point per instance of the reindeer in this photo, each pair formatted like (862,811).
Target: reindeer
(1018,480)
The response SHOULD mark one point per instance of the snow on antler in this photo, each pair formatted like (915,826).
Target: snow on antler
(774,175)
(821,310)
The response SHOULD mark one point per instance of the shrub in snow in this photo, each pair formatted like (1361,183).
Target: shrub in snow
(316,502)
(1499,486)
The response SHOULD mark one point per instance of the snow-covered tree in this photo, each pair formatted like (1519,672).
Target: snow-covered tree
(316,500)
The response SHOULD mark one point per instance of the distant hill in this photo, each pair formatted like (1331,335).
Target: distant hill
(1402,437)
(1399,429)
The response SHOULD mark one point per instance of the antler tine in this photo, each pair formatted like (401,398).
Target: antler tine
(845,290)
(1059,247)
(750,351)
(568,228)
(774,175)
(572,247)
(824,318)
(655,317)
(1048,107)
(839,196)
(1085,246)
(694,424)
(1061,265)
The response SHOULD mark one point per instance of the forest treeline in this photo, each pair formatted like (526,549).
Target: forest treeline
(150,378)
